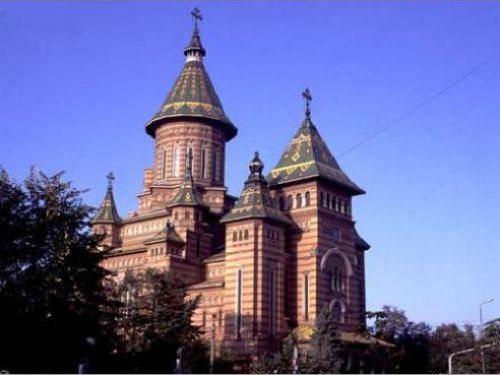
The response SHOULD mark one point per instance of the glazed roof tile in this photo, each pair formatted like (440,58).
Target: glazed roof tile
(193,95)
(255,200)
(308,156)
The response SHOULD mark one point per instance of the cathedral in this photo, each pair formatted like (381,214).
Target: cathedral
(265,263)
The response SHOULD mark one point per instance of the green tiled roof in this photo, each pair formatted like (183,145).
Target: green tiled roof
(255,200)
(107,212)
(188,194)
(193,96)
(307,156)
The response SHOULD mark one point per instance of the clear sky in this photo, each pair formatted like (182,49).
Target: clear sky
(78,81)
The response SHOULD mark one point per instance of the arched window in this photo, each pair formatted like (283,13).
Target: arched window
(290,202)
(176,165)
(298,199)
(235,236)
(203,163)
(307,199)
(240,236)
(327,200)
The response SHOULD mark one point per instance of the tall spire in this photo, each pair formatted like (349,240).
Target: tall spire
(107,212)
(187,194)
(193,95)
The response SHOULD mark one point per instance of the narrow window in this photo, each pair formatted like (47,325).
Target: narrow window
(246,234)
(235,236)
(204,319)
(282,203)
(238,303)
(214,166)
(187,215)
(298,199)
(308,199)
(305,298)
(272,303)
(240,236)
(198,247)
(203,164)
(220,318)
(321,199)
(342,207)
(334,203)
(327,200)
(176,161)
(164,164)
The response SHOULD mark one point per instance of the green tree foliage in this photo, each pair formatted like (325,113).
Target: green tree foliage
(155,322)
(411,340)
(324,355)
(52,294)
(280,362)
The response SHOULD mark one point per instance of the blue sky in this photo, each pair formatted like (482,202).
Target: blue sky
(78,81)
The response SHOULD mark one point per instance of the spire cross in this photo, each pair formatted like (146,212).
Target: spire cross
(308,97)
(196,17)
(110,177)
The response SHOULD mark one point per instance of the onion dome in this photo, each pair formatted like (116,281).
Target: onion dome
(307,156)
(193,95)
(188,194)
(107,212)
(255,201)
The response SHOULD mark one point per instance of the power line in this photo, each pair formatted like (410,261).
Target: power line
(420,105)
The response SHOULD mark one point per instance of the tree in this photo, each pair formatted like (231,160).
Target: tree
(52,289)
(280,362)
(324,354)
(411,340)
(156,321)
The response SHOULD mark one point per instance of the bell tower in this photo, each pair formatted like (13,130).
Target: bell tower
(191,119)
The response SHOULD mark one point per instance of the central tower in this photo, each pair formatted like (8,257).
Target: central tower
(191,119)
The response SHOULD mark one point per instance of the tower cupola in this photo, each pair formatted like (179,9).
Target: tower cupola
(193,95)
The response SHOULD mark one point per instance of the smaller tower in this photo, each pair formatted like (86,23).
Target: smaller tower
(107,221)
(255,267)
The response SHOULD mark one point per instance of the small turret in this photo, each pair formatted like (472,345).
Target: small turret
(107,221)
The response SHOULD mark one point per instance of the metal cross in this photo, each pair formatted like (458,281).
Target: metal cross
(308,97)
(196,16)
(110,176)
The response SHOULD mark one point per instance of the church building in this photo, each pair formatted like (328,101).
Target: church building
(264,263)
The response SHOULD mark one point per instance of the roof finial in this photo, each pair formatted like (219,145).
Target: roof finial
(195,51)
(110,177)
(308,97)
(196,17)
(256,166)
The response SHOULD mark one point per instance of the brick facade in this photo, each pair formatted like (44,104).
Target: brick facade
(264,264)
